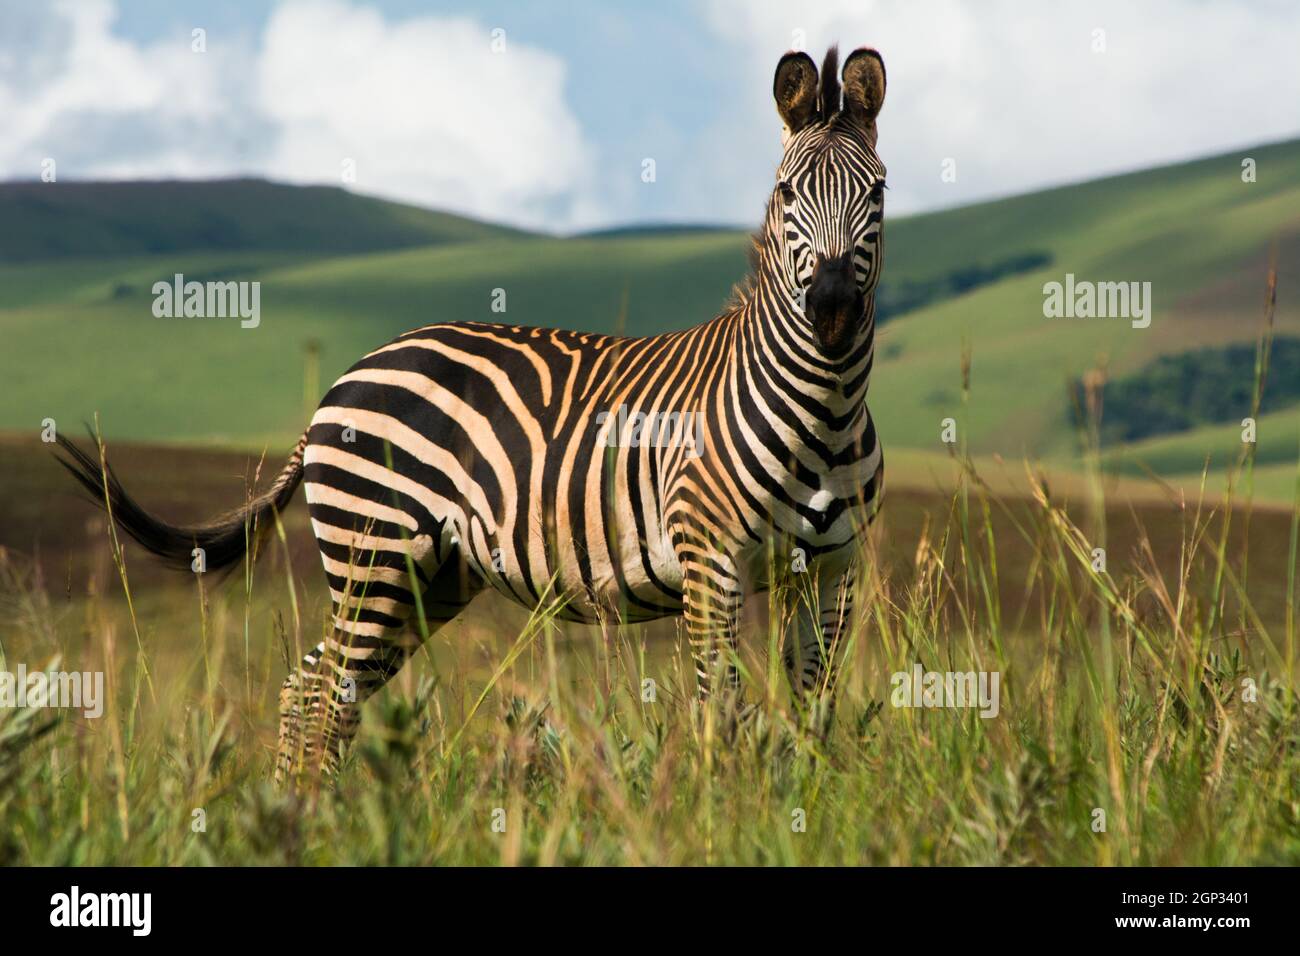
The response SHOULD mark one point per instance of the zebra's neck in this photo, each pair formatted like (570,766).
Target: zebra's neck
(775,322)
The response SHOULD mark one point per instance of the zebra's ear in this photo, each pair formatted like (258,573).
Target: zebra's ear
(795,90)
(864,84)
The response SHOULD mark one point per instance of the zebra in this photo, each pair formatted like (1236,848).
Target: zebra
(463,456)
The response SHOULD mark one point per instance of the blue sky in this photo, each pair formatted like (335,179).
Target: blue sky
(552,128)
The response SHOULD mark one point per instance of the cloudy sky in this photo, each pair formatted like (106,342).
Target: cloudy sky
(542,114)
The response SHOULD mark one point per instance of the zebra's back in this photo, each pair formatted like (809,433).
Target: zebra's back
(495,441)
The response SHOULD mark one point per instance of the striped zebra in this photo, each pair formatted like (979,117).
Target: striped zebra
(631,478)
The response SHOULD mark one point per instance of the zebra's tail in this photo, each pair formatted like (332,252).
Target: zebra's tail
(224,540)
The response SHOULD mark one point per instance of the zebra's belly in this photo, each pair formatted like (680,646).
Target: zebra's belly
(613,567)
(640,581)
(631,580)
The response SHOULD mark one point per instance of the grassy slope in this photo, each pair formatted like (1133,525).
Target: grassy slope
(1180,458)
(1184,229)
(44,220)
(209,380)
(1195,231)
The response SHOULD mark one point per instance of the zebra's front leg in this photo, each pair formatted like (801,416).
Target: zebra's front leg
(810,656)
(712,597)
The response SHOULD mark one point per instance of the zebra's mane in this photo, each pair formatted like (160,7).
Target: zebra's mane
(830,84)
(744,290)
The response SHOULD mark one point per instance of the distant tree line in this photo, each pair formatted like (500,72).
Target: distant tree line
(1209,386)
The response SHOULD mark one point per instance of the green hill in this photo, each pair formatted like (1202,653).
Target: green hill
(1195,231)
(84,219)
(350,272)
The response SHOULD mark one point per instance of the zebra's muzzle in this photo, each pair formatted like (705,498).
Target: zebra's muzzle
(835,304)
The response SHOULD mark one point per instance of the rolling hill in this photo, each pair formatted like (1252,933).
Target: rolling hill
(348,273)
(57,220)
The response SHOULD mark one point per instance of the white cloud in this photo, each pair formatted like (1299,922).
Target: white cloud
(100,106)
(1010,90)
(1014,92)
(424,107)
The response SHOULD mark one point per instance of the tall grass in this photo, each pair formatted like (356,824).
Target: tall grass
(1148,715)
(550,733)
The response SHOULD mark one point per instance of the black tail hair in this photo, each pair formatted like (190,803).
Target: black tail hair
(224,540)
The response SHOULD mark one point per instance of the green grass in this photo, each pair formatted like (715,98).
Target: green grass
(1147,712)
(1277,434)
(1153,693)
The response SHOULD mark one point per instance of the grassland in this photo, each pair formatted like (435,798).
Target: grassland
(1159,692)
(1147,713)
(1200,235)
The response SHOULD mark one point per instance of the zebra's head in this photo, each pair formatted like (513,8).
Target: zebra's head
(826,212)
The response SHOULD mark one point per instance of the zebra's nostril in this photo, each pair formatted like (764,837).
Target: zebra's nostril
(833,282)
(835,303)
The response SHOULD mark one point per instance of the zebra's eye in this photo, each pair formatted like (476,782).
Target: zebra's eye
(878,190)
(787,192)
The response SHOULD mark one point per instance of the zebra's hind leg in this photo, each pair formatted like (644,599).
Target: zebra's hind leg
(374,632)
